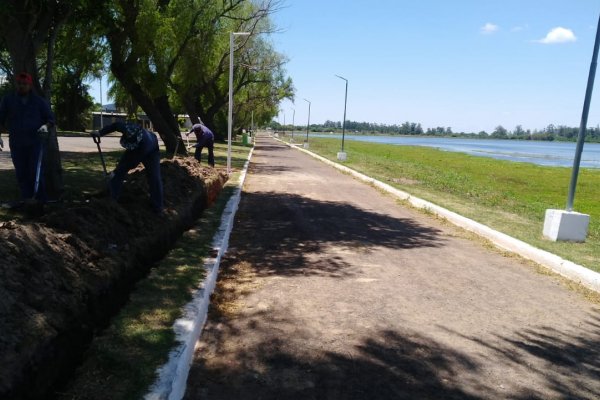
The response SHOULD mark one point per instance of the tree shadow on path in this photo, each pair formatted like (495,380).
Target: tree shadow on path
(391,365)
(567,361)
(286,234)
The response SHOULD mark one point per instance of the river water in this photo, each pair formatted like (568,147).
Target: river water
(556,154)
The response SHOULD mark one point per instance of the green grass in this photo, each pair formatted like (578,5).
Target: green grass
(507,196)
(122,362)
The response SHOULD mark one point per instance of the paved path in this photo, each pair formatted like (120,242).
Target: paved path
(331,290)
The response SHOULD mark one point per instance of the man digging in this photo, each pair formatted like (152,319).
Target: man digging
(141,146)
(204,138)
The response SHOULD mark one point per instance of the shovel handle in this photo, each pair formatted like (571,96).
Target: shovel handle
(101,155)
(96,139)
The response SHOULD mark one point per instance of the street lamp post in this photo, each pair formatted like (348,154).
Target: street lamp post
(232,35)
(307,125)
(567,225)
(293,123)
(342,155)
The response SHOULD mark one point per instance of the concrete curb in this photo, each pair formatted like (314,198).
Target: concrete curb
(568,269)
(172,377)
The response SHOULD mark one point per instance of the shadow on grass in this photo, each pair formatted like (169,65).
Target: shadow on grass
(288,233)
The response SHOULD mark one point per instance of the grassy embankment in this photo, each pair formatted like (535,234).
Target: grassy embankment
(122,361)
(507,196)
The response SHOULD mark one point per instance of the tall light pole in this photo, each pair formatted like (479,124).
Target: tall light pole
(293,122)
(307,125)
(569,225)
(342,155)
(232,35)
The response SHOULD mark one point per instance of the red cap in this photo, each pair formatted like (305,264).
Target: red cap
(24,77)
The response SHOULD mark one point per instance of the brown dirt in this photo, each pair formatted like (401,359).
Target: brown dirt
(331,290)
(63,277)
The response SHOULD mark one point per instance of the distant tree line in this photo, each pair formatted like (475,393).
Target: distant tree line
(550,133)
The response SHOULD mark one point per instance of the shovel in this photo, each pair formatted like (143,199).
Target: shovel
(97,141)
(106,174)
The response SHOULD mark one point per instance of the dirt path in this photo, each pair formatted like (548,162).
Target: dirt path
(331,290)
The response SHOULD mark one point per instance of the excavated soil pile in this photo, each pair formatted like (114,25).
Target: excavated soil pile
(64,276)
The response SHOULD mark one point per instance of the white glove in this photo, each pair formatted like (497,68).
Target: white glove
(43,129)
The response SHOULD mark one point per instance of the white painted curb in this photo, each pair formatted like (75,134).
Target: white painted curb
(172,376)
(568,269)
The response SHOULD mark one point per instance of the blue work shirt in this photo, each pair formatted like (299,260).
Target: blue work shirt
(134,136)
(204,136)
(22,116)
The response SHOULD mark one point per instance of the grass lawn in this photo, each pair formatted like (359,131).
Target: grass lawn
(507,196)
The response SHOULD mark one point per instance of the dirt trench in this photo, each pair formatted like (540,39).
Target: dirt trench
(63,277)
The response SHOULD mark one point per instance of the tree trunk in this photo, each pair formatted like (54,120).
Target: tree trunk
(164,108)
(165,130)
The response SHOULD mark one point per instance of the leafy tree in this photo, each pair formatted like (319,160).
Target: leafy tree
(519,132)
(500,132)
(201,79)
(80,52)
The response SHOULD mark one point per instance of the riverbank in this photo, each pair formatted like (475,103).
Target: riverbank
(507,196)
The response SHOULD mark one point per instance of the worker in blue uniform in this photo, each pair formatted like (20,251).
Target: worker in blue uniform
(141,146)
(28,118)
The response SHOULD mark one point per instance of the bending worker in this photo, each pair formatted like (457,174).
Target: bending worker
(141,146)
(27,117)
(204,138)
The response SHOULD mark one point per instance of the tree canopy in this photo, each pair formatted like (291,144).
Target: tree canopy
(164,57)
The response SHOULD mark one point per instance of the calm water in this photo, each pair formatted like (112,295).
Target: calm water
(556,154)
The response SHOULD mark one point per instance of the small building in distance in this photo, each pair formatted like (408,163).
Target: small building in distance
(111,114)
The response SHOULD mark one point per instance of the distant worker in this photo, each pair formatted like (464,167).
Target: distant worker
(28,118)
(204,138)
(141,146)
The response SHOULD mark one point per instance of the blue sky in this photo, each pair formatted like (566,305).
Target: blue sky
(468,64)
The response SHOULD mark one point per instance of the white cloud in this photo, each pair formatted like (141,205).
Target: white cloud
(489,28)
(559,35)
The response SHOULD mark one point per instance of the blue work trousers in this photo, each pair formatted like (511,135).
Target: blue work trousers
(25,160)
(211,153)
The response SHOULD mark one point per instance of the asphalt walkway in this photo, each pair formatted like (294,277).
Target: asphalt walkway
(332,290)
